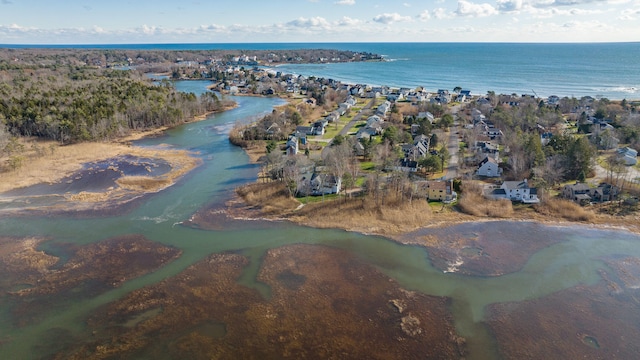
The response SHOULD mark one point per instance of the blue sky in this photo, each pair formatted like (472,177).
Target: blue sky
(208,21)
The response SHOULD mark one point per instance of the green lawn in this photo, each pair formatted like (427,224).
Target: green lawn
(317,199)
(331,131)
(367,166)
(360,182)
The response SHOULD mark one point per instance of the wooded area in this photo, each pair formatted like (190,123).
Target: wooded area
(81,103)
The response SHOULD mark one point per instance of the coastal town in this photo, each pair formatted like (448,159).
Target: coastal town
(478,154)
(131,214)
(338,139)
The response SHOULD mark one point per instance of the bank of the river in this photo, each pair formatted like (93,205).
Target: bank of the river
(50,163)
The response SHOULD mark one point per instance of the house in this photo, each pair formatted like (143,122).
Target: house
(578,193)
(292,145)
(306,130)
(553,100)
(318,127)
(323,184)
(333,117)
(583,194)
(494,133)
(628,155)
(604,192)
(366,133)
(422,142)
(426,115)
(489,168)
(486,147)
(383,109)
(516,191)
(273,130)
(407,165)
(441,191)
(374,120)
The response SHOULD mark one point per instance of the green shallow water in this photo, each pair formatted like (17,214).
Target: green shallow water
(568,263)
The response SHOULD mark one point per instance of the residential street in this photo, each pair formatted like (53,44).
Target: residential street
(345,130)
(453,146)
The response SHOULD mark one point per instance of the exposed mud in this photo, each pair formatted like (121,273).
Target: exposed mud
(584,322)
(490,248)
(37,282)
(324,304)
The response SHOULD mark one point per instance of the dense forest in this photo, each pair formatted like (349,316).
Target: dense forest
(81,103)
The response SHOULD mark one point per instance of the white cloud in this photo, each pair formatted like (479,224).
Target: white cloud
(346,2)
(553,3)
(441,13)
(347,21)
(629,14)
(387,18)
(406,5)
(466,8)
(551,12)
(424,16)
(314,22)
(149,30)
(509,5)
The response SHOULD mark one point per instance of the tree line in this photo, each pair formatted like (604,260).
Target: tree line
(80,103)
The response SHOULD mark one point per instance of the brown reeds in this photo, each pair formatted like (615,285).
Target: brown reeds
(472,202)
(564,209)
(271,198)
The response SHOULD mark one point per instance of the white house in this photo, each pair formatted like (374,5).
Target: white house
(322,184)
(516,191)
(489,168)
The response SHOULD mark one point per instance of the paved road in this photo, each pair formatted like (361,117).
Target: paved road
(453,146)
(345,130)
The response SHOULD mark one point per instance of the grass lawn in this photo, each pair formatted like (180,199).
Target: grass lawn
(367,166)
(331,131)
(317,199)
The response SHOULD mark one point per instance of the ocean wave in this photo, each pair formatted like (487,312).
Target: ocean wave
(620,89)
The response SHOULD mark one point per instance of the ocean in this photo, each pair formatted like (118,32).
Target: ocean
(609,70)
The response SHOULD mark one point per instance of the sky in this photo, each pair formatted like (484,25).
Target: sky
(251,21)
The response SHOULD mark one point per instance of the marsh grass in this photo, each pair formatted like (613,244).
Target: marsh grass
(565,209)
(56,162)
(393,216)
(472,202)
(272,198)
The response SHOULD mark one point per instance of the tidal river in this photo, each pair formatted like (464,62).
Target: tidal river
(276,290)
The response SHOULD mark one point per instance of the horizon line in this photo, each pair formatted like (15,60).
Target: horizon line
(10,45)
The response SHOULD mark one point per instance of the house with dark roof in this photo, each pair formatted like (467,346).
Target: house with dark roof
(516,191)
(489,167)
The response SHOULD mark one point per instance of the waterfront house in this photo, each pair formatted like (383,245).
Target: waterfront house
(578,193)
(324,184)
(441,191)
(583,194)
(516,191)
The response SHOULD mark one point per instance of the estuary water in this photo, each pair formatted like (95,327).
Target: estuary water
(575,260)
